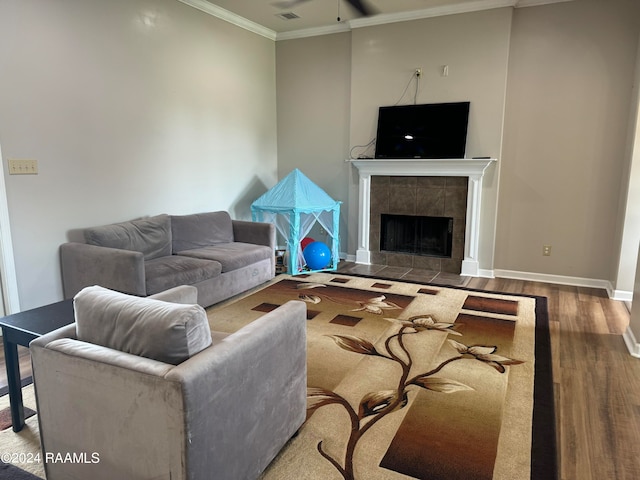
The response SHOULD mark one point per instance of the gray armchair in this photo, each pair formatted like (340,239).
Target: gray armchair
(223,412)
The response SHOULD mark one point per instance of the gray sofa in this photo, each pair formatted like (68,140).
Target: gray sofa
(221,257)
(145,390)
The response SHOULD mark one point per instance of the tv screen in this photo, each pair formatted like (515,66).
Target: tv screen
(435,130)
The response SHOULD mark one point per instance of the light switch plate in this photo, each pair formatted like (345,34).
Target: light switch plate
(23,167)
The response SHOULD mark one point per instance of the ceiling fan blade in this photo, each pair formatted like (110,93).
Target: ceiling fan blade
(362,7)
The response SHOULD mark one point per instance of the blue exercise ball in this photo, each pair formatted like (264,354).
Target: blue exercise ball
(317,255)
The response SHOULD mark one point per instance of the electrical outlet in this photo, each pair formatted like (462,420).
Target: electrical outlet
(23,167)
(546,250)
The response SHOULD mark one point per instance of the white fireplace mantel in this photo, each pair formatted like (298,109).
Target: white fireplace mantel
(473,168)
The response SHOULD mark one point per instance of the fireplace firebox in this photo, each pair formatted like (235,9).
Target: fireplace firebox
(416,235)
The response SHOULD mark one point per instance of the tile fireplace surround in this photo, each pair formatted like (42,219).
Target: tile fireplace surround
(473,169)
(418,197)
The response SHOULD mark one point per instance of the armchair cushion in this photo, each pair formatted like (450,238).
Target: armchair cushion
(151,236)
(167,332)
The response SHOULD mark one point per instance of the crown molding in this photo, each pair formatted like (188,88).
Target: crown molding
(439,11)
(230,17)
(347,26)
(535,3)
(315,32)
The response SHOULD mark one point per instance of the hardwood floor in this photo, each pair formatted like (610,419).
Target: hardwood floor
(596,381)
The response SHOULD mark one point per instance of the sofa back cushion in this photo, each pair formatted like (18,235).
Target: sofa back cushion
(163,331)
(151,236)
(200,230)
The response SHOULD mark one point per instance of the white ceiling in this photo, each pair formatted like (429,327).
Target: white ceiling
(319,17)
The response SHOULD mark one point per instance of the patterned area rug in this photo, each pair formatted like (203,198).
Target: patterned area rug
(415,381)
(5,416)
(20,452)
(405,381)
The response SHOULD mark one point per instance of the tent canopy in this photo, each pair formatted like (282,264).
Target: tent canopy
(295,193)
(294,205)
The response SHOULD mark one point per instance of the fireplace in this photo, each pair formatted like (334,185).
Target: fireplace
(375,174)
(416,213)
(416,235)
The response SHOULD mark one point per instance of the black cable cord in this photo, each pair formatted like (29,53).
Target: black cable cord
(404,92)
(361,146)
(415,101)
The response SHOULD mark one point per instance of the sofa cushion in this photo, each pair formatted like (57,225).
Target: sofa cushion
(167,272)
(151,236)
(231,256)
(163,331)
(200,230)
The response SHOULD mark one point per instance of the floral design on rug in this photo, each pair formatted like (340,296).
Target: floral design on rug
(376,305)
(376,405)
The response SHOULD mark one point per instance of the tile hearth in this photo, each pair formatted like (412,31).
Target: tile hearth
(407,274)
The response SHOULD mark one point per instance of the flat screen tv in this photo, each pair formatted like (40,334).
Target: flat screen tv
(434,130)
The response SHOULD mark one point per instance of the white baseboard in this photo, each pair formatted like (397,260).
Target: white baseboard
(484,273)
(632,344)
(621,295)
(566,280)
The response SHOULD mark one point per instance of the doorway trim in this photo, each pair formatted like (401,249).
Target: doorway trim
(8,280)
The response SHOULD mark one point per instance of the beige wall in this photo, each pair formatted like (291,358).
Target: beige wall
(313,91)
(329,89)
(132,108)
(571,72)
(557,77)
(475,46)
(135,107)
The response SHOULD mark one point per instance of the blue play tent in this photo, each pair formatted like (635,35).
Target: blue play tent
(294,205)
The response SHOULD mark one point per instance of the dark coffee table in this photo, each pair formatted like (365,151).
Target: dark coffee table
(20,329)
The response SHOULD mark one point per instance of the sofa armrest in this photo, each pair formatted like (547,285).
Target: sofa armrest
(256,385)
(258,233)
(84,265)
